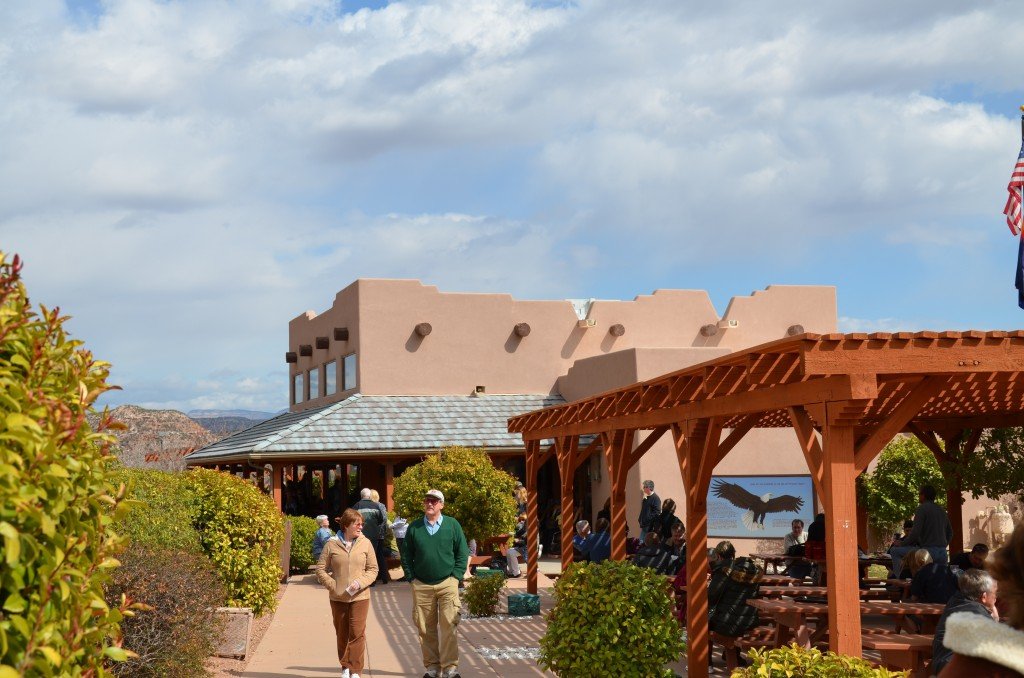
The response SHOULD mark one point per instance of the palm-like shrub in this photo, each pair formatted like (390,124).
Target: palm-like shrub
(611,617)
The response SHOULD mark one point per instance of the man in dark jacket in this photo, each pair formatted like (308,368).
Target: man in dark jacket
(931,531)
(977,595)
(374,522)
(650,508)
(971,560)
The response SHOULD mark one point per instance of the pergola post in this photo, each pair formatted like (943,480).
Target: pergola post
(276,480)
(389,485)
(616,446)
(691,441)
(532,527)
(841,537)
(566,449)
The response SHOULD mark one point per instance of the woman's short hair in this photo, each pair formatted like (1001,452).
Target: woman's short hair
(915,560)
(602,524)
(348,517)
(375,495)
(1007,567)
(724,550)
(668,505)
(321,518)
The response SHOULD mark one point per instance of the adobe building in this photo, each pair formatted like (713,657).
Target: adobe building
(395,369)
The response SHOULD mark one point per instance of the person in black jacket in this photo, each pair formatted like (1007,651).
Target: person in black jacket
(977,595)
(733,582)
(374,521)
(650,508)
(662,525)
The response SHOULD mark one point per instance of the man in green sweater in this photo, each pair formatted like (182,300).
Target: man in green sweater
(434,559)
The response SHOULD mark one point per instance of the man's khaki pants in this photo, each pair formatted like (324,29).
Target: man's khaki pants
(433,604)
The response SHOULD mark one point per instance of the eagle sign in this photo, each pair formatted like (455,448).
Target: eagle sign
(757,507)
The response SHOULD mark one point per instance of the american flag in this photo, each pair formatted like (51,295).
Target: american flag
(1013,206)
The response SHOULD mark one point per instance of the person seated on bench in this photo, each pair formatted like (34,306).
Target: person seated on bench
(933,582)
(652,554)
(977,595)
(982,646)
(594,546)
(971,560)
(510,556)
(733,582)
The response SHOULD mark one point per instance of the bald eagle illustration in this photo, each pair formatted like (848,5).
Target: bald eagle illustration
(757,507)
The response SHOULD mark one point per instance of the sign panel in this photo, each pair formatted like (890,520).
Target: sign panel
(757,507)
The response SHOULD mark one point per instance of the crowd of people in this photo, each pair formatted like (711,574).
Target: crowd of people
(978,588)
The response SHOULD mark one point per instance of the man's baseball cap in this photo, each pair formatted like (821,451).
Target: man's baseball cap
(436,494)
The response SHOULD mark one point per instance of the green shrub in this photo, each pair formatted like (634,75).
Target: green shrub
(611,617)
(162,512)
(797,662)
(179,632)
(303,531)
(482,595)
(476,493)
(890,492)
(57,503)
(240,530)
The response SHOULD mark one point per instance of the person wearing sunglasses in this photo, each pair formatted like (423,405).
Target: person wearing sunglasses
(434,560)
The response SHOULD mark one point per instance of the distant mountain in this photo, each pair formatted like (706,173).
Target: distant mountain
(158,439)
(225,426)
(244,414)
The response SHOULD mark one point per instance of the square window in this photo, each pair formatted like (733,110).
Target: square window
(331,378)
(297,388)
(349,376)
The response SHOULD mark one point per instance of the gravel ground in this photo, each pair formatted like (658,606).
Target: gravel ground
(225,667)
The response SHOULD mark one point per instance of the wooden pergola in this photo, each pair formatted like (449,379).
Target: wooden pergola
(844,395)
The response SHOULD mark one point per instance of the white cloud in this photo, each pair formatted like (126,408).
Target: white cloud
(186,176)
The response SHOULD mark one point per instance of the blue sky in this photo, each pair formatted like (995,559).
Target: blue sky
(185,176)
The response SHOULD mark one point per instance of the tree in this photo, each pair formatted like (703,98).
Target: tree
(476,493)
(996,467)
(890,492)
(57,501)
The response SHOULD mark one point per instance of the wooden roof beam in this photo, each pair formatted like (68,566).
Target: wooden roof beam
(928,388)
(641,449)
(836,387)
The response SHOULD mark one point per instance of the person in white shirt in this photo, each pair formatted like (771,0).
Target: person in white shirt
(797,536)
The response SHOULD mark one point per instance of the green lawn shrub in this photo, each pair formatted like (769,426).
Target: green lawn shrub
(482,595)
(613,617)
(163,510)
(57,502)
(303,531)
(177,634)
(240,530)
(797,662)
(476,493)
(165,569)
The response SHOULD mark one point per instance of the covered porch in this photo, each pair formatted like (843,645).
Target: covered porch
(844,395)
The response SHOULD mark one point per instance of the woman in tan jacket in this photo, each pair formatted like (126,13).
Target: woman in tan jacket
(347,568)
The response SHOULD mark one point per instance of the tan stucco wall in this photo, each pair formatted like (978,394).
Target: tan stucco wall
(472,341)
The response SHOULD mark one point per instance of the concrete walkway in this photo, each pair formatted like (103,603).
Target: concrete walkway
(300,640)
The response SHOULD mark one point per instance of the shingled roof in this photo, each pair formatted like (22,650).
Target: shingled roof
(362,425)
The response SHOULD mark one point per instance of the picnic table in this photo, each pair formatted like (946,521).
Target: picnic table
(794,618)
(817,592)
(774,559)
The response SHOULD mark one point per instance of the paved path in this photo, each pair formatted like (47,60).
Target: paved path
(300,639)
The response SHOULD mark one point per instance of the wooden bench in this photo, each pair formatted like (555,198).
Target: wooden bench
(901,650)
(758,636)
